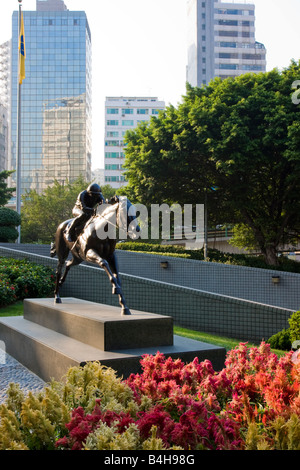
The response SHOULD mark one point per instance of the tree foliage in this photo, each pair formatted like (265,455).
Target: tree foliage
(42,213)
(239,135)
(9,220)
(5,192)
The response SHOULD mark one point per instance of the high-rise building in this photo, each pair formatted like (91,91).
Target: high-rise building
(5,57)
(3,137)
(55,96)
(221,41)
(122,114)
(5,65)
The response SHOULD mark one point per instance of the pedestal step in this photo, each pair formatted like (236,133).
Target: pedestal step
(99,325)
(46,339)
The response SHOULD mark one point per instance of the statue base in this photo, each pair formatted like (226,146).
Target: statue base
(51,338)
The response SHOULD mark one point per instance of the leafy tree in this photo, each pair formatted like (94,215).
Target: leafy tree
(108,191)
(240,136)
(5,192)
(42,213)
(9,220)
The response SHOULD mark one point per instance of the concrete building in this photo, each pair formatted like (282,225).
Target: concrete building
(55,96)
(221,41)
(122,114)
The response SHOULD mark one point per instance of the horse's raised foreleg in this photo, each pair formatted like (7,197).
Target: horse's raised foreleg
(93,257)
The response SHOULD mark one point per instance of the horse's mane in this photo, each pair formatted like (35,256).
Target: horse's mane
(109,207)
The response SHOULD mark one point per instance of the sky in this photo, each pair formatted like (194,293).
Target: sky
(139,47)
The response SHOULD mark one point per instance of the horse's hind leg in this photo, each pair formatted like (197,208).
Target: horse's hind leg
(93,257)
(115,270)
(59,268)
(61,279)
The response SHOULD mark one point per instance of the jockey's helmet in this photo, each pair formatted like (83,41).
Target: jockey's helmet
(94,189)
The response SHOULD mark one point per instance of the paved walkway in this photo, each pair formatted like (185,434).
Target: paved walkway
(12,371)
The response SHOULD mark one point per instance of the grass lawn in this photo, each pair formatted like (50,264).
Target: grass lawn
(227,343)
(12,310)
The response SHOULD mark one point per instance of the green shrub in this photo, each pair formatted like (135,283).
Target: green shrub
(8,234)
(7,291)
(281,341)
(284,339)
(22,279)
(9,220)
(294,323)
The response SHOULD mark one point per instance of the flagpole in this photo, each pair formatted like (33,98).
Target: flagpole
(18,186)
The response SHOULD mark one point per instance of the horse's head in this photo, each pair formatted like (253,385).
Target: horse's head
(127,219)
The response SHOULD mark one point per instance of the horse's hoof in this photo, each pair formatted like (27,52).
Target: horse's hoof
(125,311)
(57,300)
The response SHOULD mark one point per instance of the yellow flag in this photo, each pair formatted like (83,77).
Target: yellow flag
(22,51)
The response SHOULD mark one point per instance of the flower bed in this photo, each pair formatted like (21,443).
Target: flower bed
(20,279)
(252,403)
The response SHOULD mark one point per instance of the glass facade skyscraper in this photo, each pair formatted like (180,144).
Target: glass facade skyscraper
(55,97)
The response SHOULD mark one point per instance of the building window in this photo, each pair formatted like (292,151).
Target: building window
(127,122)
(227,55)
(228,33)
(228,22)
(142,111)
(228,44)
(252,67)
(112,155)
(112,179)
(112,111)
(112,143)
(246,23)
(112,166)
(113,134)
(127,111)
(112,123)
(228,66)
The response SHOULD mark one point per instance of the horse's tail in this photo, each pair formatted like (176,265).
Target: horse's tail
(59,246)
(52,250)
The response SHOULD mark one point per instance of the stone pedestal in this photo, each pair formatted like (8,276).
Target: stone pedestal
(51,338)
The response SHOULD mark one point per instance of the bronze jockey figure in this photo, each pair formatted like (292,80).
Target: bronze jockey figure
(84,209)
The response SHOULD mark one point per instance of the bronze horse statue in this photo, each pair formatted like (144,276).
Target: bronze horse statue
(96,244)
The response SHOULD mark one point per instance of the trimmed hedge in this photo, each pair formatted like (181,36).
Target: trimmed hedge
(216,256)
(9,220)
